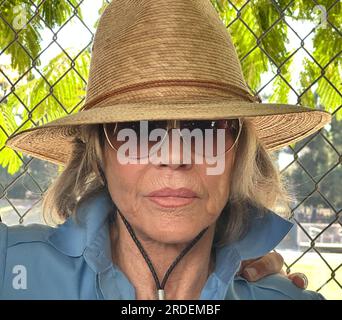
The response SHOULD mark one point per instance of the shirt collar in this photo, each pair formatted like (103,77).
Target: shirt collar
(82,230)
(88,231)
(264,232)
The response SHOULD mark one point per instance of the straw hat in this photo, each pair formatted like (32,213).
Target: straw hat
(166,60)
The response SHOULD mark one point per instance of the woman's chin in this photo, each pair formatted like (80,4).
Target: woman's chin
(172,234)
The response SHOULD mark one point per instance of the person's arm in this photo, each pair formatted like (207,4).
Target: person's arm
(273,262)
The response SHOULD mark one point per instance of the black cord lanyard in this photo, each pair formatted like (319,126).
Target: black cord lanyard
(160,286)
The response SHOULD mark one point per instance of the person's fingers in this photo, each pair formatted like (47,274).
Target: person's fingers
(255,269)
(269,264)
(244,264)
(299,279)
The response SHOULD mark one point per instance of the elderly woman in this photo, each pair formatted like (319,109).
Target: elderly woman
(167,208)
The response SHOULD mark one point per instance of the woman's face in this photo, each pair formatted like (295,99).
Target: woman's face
(170,219)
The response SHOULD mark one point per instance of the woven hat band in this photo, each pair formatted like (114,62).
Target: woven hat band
(171,90)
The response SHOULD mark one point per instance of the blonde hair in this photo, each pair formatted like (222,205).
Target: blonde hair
(255,180)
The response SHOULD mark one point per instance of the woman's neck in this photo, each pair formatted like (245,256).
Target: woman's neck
(187,279)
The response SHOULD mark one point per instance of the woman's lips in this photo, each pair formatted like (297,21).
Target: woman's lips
(170,198)
(171,202)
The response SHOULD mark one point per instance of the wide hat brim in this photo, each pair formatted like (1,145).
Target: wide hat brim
(277,125)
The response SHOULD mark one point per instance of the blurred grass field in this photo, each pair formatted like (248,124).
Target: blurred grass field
(317,271)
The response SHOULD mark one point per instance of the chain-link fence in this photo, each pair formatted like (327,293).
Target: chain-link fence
(290,52)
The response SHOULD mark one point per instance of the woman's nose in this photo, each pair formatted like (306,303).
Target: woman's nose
(176,155)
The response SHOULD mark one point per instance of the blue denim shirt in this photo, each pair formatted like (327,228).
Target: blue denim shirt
(73,261)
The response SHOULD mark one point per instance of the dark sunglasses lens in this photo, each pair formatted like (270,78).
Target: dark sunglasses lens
(119,134)
(231,127)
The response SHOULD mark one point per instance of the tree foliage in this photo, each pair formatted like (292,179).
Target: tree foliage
(260,31)
(21,26)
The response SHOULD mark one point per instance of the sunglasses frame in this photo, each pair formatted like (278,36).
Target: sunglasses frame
(173,124)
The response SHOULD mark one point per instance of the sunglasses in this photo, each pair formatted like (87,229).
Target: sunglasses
(231,131)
